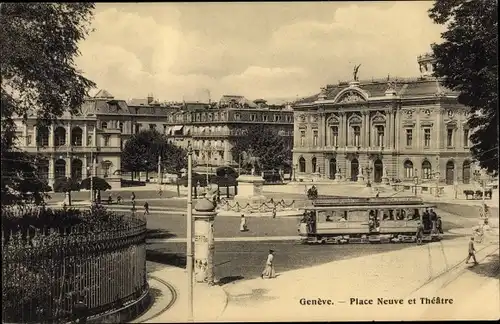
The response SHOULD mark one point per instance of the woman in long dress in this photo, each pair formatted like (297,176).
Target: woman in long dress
(269,272)
(243,224)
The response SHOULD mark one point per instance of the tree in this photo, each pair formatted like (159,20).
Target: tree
(39,78)
(467,62)
(98,185)
(141,153)
(265,144)
(66,185)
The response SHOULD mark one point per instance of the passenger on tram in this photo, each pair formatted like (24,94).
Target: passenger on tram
(391,214)
(385,215)
(399,215)
(416,215)
(433,217)
(328,218)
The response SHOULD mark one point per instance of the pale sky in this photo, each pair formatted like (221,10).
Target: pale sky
(258,50)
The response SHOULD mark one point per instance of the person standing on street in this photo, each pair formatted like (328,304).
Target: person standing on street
(269,272)
(243,224)
(80,311)
(132,197)
(472,251)
(420,233)
(146,208)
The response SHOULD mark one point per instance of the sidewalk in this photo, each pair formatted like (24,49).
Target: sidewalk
(209,302)
(415,272)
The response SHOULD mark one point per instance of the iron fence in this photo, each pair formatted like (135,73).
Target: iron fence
(45,270)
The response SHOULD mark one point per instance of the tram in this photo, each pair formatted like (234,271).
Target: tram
(366,220)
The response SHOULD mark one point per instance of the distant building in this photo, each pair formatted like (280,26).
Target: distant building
(406,127)
(104,124)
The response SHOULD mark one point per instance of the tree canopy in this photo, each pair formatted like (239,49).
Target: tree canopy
(141,152)
(467,62)
(98,184)
(39,79)
(265,144)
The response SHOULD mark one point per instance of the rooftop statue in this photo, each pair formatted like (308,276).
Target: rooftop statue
(355,73)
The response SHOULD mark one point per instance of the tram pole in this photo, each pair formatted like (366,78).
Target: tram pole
(189,222)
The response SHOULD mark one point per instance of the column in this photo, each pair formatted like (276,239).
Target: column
(436,133)
(397,130)
(85,135)
(35,134)
(326,168)
(51,170)
(418,132)
(84,166)
(367,128)
(388,131)
(321,130)
(25,135)
(68,134)
(51,135)
(227,161)
(68,166)
(204,247)
(94,136)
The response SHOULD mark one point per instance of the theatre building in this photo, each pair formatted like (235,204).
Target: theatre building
(392,129)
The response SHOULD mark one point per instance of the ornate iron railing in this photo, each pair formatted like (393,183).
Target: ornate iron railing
(45,270)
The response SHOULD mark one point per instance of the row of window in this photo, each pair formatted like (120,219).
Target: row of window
(355,139)
(356,131)
(265,118)
(427,137)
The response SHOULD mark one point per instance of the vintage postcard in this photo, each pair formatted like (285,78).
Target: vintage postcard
(249,161)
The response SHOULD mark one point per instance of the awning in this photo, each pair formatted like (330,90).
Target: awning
(177,128)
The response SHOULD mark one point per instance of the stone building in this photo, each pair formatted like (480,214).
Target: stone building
(396,129)
(102,126)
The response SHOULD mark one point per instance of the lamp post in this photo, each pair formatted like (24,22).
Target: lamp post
(415,179)
(294,171)
(477,176)
(369,170)
(189,222)
(207,151)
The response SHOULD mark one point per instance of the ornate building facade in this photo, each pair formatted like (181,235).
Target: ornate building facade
(400,130)
(98,132)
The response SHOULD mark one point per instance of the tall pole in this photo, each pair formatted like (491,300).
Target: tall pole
(189,248)
(91,176)
(207,150)
(159,171)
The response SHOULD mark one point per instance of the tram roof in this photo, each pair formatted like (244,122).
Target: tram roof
(365,201)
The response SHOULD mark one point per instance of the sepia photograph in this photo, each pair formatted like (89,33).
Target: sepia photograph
(174,162)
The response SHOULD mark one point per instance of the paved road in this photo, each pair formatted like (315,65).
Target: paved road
(238,260)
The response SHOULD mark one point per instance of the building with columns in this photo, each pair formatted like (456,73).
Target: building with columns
(103,124)
(396,129)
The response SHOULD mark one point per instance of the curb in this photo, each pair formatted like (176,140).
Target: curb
(164,309)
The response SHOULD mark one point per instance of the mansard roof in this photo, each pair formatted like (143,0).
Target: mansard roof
(405,88)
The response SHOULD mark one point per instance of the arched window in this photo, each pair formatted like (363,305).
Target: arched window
(76,136)
(408,166)
(426,170)
(313,162)
(302,165)
(466,172)
(60,136)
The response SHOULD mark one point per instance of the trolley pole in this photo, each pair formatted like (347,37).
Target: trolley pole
(189,220)
(159,171)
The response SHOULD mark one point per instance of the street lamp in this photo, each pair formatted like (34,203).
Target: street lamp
(415,179)
(189,241)
(368,170)
(436,174)
(208,149)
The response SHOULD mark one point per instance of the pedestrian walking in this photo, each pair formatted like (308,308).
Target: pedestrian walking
(243,224)
(274,212)
(132,197)
(420,232)
(146,208)
(472,251)
(439,225)
(269,271)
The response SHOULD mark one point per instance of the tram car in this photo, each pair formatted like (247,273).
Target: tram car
(368,220)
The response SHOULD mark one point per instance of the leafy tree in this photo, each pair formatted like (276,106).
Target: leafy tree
(141,153)
(264,143)
(467,62)
(98,185)
(66,185)
(39,44)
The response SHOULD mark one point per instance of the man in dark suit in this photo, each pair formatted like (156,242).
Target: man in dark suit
(472,251)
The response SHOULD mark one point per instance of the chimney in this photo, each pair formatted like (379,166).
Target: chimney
(150,98)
